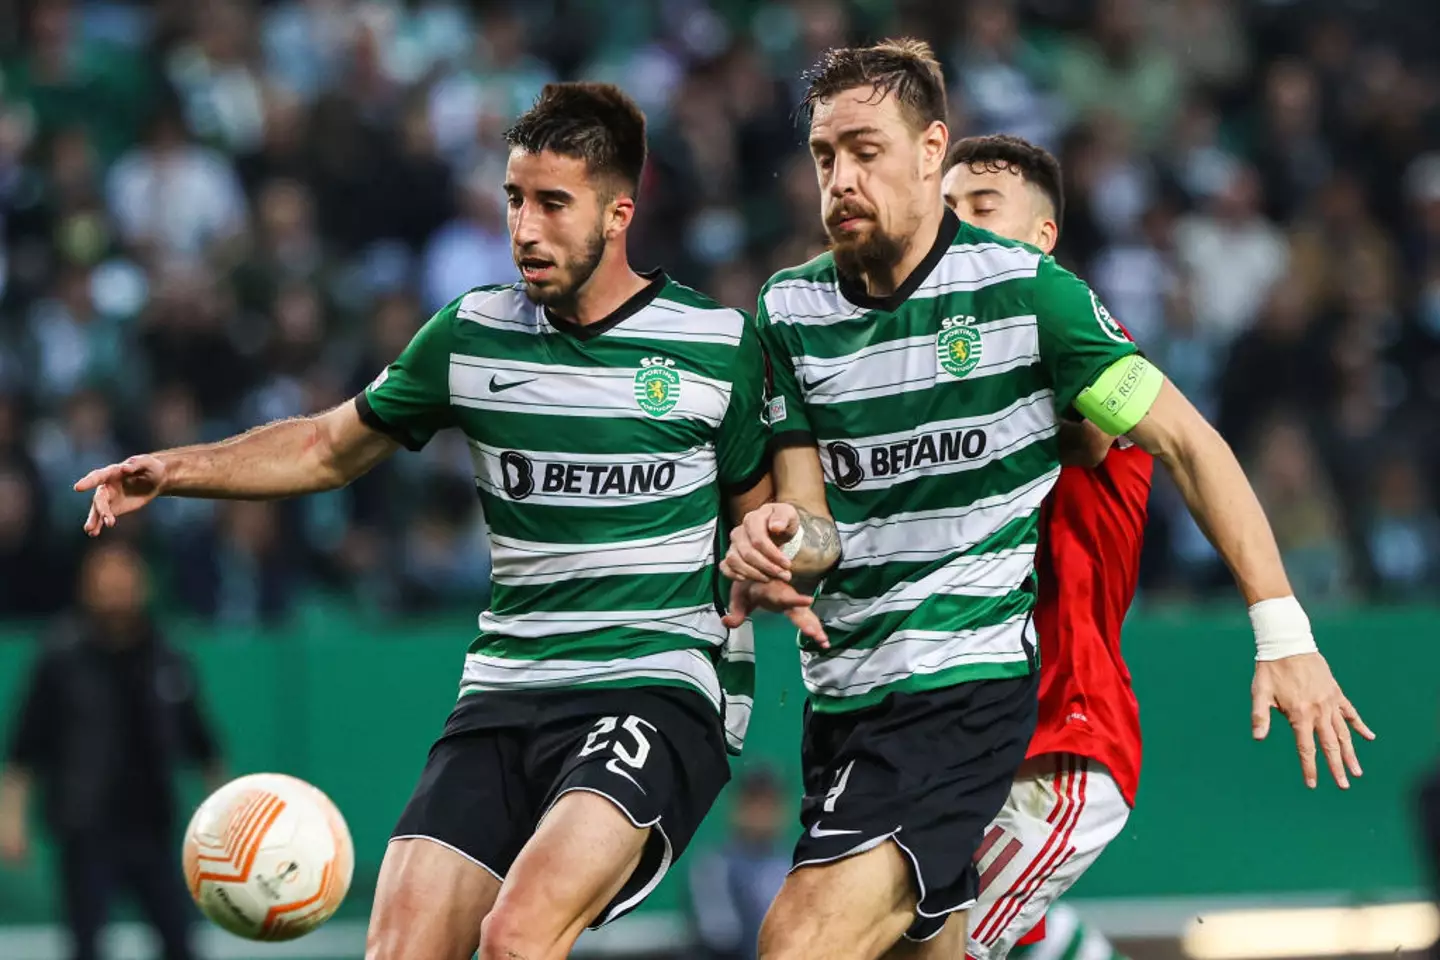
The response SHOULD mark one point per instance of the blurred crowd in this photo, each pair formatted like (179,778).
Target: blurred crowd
(221,212)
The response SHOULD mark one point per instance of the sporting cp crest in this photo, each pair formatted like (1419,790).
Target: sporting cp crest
(657,386)
(958,346)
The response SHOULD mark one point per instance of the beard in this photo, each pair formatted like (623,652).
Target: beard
(561,294)
(872,252)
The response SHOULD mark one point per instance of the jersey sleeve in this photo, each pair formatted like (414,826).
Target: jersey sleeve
(785,408)
(1079,339)
(743,442)
(410,400)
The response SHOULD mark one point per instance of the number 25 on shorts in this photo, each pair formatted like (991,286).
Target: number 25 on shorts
(634,759)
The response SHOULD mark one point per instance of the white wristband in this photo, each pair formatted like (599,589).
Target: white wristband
(1281,629)
(792,546)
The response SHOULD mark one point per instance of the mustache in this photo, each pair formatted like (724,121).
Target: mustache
(846,210)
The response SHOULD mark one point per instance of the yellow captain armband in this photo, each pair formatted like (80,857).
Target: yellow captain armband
(1122,395)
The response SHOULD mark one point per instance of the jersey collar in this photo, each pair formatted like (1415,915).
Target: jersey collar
(854,291)
(638,302)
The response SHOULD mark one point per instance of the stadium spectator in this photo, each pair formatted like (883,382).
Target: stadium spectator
(731,887)
(109,716)
(218,199)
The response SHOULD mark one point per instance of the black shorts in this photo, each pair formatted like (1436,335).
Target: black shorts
(928,770)
(657,753)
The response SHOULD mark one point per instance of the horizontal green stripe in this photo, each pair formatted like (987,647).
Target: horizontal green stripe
(945,491)
(946,613)
(544,523)
(875,579)
(646,591)
(581,435)
(737,676)
(920,682)
(609,643)
(946,400)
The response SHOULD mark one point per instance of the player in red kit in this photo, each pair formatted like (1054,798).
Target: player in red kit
(1076,789)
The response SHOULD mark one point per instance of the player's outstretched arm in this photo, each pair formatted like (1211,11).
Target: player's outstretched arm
(281,459)
(1290,673)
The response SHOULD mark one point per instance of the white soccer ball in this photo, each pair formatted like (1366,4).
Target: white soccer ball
(268,857)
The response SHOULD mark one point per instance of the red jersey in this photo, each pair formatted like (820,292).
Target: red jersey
(1091,529)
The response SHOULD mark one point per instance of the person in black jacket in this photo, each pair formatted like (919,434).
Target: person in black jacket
(110,714)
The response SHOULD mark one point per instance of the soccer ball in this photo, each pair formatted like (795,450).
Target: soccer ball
(268,857)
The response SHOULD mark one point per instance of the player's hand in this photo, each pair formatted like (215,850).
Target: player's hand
(1303,689)
(779,597)
(121,488)
(754,553)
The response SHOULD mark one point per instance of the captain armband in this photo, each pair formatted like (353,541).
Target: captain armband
(1122,395)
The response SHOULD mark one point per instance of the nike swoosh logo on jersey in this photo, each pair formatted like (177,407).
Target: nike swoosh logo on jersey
(819,834)
(497,387)
(812,385)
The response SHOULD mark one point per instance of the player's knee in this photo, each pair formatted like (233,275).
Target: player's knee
(510,932)
(502,936)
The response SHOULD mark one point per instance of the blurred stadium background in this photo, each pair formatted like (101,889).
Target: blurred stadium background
(220,212)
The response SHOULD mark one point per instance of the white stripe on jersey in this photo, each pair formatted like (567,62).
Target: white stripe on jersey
(515,562)
(965,267)
(931,534)
(484,672)
(944,446)
(594,479)
(739,647)
(505,309)
(981,575)
(518,386)
(658,322)
(700,621)
(899,366)
(914,653)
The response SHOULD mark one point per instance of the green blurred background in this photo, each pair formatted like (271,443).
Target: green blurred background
(353,708)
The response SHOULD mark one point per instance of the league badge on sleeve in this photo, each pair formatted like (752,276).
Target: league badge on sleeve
(1108,323)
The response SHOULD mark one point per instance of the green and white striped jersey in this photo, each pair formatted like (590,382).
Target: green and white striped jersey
(935,413)
(601,453)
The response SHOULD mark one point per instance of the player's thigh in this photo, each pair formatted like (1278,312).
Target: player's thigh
(462,827)
(854,908)
(1063,810)
(629,781)
(875,776)
(429,902)
(580,858)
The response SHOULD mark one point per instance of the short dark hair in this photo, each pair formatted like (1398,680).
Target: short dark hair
(1000,151)
(594,122)
(905,68)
